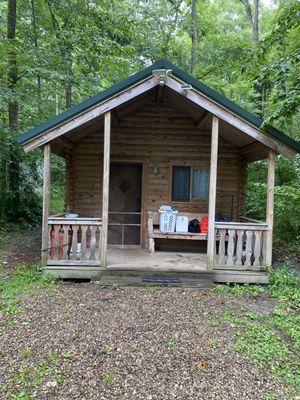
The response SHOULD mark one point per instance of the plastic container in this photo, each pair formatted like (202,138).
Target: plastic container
(167,221)
(182,224)
(71,216)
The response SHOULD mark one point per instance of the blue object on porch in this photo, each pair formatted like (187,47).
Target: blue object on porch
(222,218)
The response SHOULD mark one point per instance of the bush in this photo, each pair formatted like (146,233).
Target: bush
(286,209)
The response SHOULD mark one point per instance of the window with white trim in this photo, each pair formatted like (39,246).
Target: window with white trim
(189,183)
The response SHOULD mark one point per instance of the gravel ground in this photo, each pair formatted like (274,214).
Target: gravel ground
(80,341)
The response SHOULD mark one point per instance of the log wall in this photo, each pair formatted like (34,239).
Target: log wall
(161,135)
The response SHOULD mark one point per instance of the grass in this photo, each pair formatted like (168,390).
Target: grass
(271,340)
(108,378)
(47,374)
(23,281)
(239,290)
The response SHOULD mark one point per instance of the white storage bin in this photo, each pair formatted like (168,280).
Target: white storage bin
(182,224)
(167,221)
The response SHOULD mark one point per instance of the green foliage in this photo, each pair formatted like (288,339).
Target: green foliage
(23,281)
(263,345)
(271,339)
(67,51)
(285,286)
(109,378)
(238,290)
(47,375)
(286,209)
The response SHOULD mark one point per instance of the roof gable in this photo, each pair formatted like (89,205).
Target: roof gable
(140,76)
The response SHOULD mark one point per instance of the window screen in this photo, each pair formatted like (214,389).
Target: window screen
(181,183)
(200,184)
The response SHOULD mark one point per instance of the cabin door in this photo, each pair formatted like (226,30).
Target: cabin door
(125,200)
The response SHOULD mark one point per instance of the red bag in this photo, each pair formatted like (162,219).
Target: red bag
(204,225)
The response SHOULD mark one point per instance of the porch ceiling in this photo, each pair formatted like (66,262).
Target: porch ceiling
(251,150)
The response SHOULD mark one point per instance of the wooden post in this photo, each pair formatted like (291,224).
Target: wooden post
(212,193)
(270,206)
(46,201)
(105,188)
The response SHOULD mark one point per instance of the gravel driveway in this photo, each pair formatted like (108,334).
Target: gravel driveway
(80,341)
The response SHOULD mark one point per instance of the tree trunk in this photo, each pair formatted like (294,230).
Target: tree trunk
(253,18)
(13,108)
(68,85)
(193,36)
(65,55)
(35,39)
(255,21)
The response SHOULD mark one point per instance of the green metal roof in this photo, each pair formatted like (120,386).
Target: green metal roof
(143,74)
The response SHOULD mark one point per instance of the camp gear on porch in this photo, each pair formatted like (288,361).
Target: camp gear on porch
(154,234)
(222,218)
(218,218)
(182,223)
(204,225)
(167,218)
(194,226)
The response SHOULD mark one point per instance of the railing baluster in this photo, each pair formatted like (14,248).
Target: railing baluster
(230,248)
(61,242)
(93,242)
(65,243)
(222,233)
(248,248)
(74,242)
(263,252)
(83,241)
(51,242)
(239,247)
(56,230)
(97,245)
(88,243)
(257,248)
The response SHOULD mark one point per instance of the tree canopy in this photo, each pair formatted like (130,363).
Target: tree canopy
(56,53)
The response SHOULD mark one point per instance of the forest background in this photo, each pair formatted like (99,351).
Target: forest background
(57,53)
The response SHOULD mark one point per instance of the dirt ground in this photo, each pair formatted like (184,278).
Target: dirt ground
(83,341)
(129,343)
(19,246)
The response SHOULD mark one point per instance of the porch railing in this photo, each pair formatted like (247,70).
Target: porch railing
(240,245)
(74,240)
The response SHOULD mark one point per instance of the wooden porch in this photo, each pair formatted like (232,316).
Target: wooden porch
(74,251)
(139,263)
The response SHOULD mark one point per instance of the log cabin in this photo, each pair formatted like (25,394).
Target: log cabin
(159,137)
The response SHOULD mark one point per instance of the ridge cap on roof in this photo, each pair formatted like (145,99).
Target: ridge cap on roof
(132,79)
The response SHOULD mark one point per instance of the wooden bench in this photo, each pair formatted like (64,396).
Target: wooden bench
(155,233)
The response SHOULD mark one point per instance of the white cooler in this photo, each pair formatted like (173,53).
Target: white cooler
(182,223)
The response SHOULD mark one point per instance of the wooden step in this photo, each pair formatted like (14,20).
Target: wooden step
(156,281)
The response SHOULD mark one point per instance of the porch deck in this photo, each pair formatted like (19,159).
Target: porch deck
(139,263)
(137,259)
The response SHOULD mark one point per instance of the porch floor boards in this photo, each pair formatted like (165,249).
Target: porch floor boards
(137,263)
(159,261)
